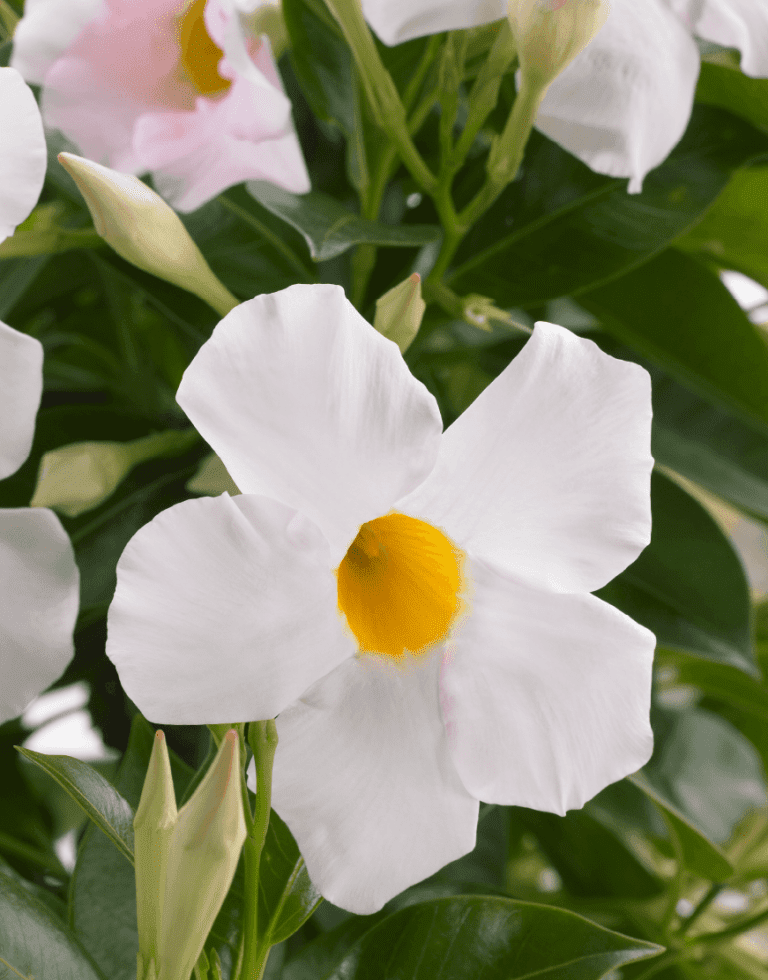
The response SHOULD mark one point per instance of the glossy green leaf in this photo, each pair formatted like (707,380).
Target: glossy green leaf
(698,334)
(287,897)
(700,855)
(106,807)
(329,228)
(562,229)
(734,231)
(731,89)
(688,586)
(34,943)
(478,938)
(721,681)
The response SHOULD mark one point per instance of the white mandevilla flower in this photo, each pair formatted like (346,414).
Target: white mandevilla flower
(38,577)
(624,102)
(413,604)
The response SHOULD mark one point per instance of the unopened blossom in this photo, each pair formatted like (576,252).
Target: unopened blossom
(413,605)
(178,88)
(39,583)
(624,102)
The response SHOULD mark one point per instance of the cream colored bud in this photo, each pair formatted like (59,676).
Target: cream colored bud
(212,478)
(202,859)
(153,826)
(399,312)
(268,19)
(144,230)
(76,478)
(550,33)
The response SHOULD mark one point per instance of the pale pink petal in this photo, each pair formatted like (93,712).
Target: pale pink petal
(225,611)
(123,64)
(21,387)
(39,593)
(548,472)
(46,30)
(741,24)
(624,102)
(545,697)
(400,20)
(363,779)
(306,403)
(23,157)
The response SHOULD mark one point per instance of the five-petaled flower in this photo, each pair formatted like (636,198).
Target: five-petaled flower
(175,87)
(413,605)
(625,101)
(39,582)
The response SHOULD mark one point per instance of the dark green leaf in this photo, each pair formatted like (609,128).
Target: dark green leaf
(720,681)
(287,897)
(16,277)
(327,226)
(476,937)
(676,312)
(34,943)
(562,229)
(95,794)
(731,89)
(688,586)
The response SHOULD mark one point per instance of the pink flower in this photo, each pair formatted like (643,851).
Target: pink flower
(173,87)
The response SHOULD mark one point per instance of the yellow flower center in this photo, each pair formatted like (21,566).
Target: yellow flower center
(399,585)
(200,55)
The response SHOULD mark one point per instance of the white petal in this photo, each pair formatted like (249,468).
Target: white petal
(46,30)
(306,403)
(624,102)
(363,779)
(741,24)
(21,387)
(401,20)
(548,472)
(225,611)
(545,697)
(39,595)
(23,157)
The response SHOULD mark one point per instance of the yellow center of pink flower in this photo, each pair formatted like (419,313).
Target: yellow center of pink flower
(200,55)
(399,585)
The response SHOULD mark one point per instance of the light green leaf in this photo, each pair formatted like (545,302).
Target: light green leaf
(287,898)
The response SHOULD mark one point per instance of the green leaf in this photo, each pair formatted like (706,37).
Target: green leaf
(95,794)
(688,586)
(698,333)
(329,228)
(562,229)
(720,681)
(322,62)
(731,89)
(287,898)
(700,855)
(34,943)
(476,937)
(733,233)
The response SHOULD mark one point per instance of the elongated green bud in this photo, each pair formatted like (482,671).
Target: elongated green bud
(153,826)
(145,231)
(202,859)
(399,312)
(550,33)
(76,478)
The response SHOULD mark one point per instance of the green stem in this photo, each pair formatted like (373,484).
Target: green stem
(662,963)
(745,925)
(262,737)
(712,893)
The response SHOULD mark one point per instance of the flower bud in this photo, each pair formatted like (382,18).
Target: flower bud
(76,478)
(399,312)
(153,827)
(202,859)
(212,479)
(144,230)
(267,18)
(550,33)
